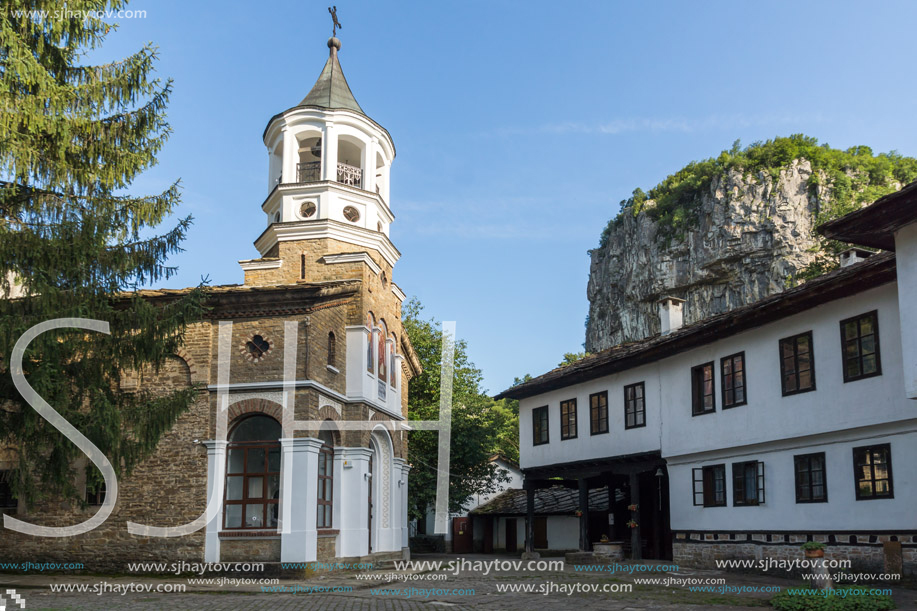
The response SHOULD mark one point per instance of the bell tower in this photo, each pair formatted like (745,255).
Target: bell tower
(327,189)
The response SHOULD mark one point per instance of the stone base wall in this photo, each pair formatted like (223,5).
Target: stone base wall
(428,544)
(264,549)
(327,547)
(865,552)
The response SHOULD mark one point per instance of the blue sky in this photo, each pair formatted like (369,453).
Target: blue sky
(519,126)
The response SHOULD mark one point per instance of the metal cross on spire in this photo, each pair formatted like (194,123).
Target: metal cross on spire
(334,17)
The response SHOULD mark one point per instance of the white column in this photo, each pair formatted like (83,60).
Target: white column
(386,182)
(329,152)
(397,507)
(370,379)
(392,396)
(299,498)
(356,360)
(271,171)
(369,165)
(405,530)
(290,156)
(399,369)
(216,473)
(353,498)
(906,262)
(338,499)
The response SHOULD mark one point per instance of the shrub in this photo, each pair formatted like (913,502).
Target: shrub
(840,599)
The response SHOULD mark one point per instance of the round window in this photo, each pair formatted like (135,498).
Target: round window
(351,214)
(256,348)
(307,210)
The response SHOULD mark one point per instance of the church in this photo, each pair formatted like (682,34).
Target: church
(302,377)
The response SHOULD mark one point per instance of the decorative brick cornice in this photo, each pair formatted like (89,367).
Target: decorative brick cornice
(260,310)
(249,534)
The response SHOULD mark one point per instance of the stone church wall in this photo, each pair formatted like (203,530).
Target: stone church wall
(164,490)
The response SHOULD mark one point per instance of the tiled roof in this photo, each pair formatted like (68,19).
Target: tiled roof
(875,225)
(243,289)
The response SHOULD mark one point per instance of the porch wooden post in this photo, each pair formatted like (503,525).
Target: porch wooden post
(584,515)
(635,546)
(608,525)
(529,519)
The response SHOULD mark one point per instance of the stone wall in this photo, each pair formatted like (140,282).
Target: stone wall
(255,549)
(327,547)
(167,489)
(375,296)
(865,552)
(290,271)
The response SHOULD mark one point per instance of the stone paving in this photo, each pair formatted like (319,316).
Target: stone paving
(486,597)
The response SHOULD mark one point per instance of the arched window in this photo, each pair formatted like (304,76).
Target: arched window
(325,480)
(332,349)
(371,325)
(383,370)
(253,474)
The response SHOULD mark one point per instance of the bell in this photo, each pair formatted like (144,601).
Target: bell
(317,148)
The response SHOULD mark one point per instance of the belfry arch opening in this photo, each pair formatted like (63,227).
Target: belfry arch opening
(309,158)
(350,162)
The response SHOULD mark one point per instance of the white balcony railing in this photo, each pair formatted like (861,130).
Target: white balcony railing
(311,171)
(350,175)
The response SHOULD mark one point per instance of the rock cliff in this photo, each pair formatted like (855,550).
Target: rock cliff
(752,235)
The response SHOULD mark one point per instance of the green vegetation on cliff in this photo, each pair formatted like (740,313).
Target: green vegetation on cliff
(853,177)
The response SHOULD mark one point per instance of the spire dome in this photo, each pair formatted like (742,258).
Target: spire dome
(331,90)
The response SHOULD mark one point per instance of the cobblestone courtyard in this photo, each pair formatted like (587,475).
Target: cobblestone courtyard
(489,591)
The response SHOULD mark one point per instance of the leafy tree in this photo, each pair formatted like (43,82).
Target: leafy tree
(474,436)
(505,417)
(506,424)
(74,243)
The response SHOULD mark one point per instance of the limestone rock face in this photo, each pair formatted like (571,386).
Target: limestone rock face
(753,233)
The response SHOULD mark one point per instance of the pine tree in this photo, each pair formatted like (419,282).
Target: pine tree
(74,243)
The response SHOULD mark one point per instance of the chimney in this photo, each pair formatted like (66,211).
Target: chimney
(671,314)
(854,255)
